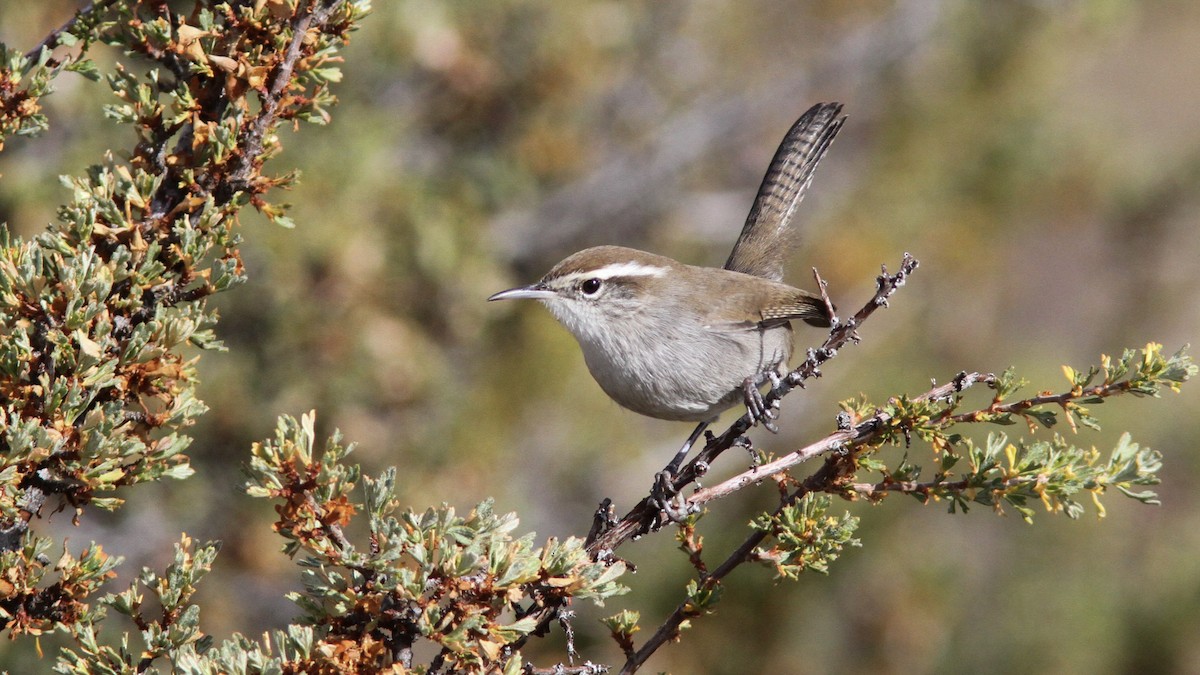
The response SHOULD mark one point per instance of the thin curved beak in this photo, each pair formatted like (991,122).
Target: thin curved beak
(533,292)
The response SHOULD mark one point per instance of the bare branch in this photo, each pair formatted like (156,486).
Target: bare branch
(861,434)
(588,668)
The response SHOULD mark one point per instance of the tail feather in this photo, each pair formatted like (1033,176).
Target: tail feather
(767,237)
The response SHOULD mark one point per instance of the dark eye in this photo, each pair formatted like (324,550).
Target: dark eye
(590,286)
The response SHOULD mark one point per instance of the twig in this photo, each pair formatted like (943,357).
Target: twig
(252,140)
(823,287)
(51,40)
(912,487)
(819,481)
(861,434)
(588,668)
(1102,390)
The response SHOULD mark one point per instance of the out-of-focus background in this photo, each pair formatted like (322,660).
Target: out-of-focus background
(1040,158)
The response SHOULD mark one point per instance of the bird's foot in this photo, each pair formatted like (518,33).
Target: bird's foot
(756,405)
(669,506)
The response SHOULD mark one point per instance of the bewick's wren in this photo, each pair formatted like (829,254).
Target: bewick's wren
(680,342)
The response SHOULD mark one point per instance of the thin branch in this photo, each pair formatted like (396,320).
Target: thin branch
(251,143)
(821,480)
(51,40)
(823,287)
(588,668)
(861,434)
(1102,390)
(913,487)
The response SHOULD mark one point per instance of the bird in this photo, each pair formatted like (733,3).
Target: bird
(683,342)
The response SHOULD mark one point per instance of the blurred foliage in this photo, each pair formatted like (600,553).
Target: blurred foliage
(1038,157)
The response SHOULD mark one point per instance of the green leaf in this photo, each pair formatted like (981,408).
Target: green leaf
(1048,418)
(84,67)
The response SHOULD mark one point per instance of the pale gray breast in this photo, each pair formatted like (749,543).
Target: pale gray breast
(683,370)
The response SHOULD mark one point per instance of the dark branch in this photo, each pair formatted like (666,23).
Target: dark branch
(251,143)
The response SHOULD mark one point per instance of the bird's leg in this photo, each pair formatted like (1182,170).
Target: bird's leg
(663,491)
(673,467)
(756,406)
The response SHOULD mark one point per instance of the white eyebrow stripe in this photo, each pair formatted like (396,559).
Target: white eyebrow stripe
(624,269)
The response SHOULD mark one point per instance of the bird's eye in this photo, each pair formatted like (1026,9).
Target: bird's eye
(590,287)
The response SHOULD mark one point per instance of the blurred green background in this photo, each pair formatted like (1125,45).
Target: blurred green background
(1041,160)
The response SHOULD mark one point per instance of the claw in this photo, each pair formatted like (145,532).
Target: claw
(757,406)
(771,411)
(662,489)
(664,497)
(754,399)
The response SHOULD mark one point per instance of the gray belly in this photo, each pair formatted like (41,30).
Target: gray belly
(663,378)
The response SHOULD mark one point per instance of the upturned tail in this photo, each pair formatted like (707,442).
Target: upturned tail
(767,237)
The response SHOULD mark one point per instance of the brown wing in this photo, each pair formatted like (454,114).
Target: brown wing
(803,305)
(738,303)
(764,242)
